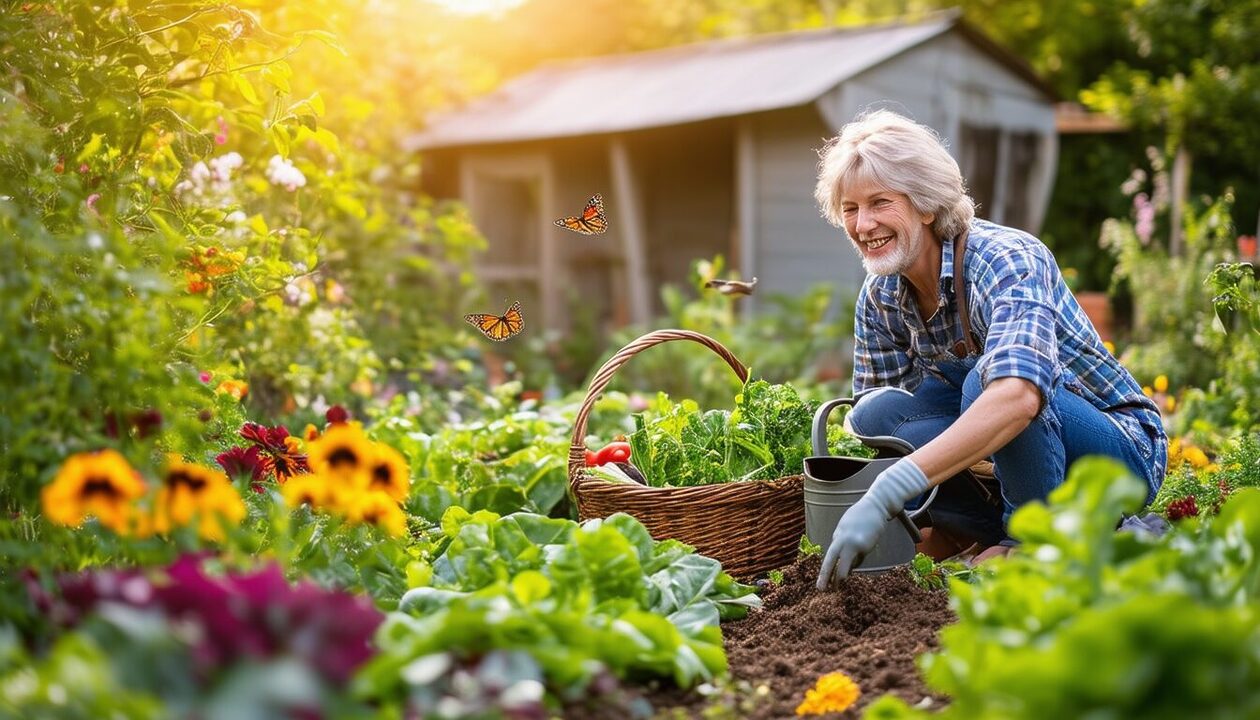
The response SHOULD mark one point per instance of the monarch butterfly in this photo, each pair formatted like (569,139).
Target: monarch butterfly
(499,327)
(592,221)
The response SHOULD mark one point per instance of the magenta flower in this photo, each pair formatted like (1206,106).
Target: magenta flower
(204,376)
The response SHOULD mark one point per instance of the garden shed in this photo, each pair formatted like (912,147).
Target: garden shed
(712,148)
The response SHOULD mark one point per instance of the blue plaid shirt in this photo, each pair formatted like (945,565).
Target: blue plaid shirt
(1027,320)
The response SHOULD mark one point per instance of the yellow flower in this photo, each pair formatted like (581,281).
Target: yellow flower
(834,692)
(1196,457)
(236,388)
(191,492)
(101,484)
(1111,347)
(1147,391)
(341,452)
(387,472)
(306,489)
(1174,453)
(1161,383)
(379,509)
(1170,403)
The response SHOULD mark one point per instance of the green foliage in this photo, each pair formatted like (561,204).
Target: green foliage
(1166,622)
(766,436)
(789,340)
(1239,467)
(932,575)
(578,599)
(1172,304)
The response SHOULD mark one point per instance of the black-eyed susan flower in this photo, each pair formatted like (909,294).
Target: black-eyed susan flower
(834,692)
(307,489)
(101,484)
(379,509)
(387,472)
(193,493)
(341,452)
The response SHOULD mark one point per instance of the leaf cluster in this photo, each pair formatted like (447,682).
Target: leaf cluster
(580,599)
(1084,621)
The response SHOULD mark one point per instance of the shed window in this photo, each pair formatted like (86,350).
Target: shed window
(997,166)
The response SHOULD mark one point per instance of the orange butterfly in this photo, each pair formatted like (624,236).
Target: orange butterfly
(499,327)
(592,222)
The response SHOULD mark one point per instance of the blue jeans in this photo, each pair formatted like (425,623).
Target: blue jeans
(1027,468)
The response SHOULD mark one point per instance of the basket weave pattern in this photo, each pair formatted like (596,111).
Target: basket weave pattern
(751,527)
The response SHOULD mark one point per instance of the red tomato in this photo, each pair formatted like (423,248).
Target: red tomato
(613,452)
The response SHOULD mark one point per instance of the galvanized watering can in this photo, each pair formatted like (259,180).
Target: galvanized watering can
(833,484)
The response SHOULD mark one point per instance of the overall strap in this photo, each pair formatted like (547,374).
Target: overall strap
(960,294)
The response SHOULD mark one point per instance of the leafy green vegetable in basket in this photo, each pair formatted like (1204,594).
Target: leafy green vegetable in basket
(766,436)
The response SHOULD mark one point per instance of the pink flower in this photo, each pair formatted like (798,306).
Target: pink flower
(204,376)
(1145,225)
(91,202)
(220,138)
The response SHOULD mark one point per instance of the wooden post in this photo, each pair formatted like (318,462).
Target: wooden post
(629,217)
(1180,190)
(746,206)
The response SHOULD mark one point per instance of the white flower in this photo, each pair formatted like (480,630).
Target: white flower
(281,172)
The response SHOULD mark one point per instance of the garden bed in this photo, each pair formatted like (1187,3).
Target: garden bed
(871,629)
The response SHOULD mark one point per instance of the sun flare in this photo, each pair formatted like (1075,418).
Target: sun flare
(477,7)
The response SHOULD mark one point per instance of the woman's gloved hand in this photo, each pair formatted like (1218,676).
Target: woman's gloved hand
(860,526)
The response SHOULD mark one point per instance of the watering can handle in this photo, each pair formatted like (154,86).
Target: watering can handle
(819,435)
(819,439)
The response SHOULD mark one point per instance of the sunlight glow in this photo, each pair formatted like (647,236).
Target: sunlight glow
(477,7)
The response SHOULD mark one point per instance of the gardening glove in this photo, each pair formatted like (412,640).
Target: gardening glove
(860,526)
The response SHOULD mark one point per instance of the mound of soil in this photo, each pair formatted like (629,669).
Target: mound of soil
(871,628)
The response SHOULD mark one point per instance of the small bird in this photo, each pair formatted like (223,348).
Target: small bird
(732,287)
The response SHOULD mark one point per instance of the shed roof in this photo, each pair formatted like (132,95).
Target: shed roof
(687,83)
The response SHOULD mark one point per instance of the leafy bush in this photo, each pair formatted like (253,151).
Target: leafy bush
(1168,624)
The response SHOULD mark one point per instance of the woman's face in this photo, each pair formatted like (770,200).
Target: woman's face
(884,228)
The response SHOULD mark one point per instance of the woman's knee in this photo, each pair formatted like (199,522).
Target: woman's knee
(879,412)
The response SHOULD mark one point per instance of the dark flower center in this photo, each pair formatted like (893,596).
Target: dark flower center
(382,476)
(343,456)
(175,478)
(99,486)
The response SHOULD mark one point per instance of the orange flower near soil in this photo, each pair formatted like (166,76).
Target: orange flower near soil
(834,692)
(100,484)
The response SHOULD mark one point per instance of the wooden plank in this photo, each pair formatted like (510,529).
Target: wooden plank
(630,219)
(746,206)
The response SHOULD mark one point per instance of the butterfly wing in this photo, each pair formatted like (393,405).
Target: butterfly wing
(513,320)
(592,221)
(498,327)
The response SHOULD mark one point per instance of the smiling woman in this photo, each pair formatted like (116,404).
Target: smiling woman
(475,7)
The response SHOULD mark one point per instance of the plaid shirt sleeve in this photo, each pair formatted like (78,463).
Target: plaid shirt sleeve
(879,358)
(1014,298)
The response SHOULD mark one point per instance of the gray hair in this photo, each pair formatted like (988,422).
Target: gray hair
(901,155)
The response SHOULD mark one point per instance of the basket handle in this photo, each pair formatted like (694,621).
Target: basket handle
(577,447)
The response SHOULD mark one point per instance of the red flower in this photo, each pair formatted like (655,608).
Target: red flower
(239,462)
(1183,508)
(278,452)
(336,415)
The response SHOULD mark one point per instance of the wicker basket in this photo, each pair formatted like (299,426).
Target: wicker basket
(750,527)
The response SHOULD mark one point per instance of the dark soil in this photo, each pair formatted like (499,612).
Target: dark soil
(871,628)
